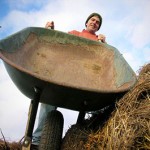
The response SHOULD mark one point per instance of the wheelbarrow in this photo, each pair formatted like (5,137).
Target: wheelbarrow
(63,70)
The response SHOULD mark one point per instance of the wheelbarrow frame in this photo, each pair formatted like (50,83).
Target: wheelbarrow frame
(77,97)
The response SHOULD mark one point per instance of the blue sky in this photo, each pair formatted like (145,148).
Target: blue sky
(125,25)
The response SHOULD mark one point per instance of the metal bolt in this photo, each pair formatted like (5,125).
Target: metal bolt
(85,102)
(35,89)
(26,142)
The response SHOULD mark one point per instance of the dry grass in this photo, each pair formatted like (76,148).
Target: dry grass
(9,145)
(129,124)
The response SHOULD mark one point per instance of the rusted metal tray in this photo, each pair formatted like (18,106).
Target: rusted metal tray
(72,72)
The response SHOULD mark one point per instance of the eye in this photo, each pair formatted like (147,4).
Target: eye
(98,22)
(92,19)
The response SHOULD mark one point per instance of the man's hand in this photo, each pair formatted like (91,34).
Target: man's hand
(102,38)
(49,25)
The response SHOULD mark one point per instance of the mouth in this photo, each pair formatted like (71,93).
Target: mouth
(92,26)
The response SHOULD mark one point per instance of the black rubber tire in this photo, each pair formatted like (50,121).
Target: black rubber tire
(51,137)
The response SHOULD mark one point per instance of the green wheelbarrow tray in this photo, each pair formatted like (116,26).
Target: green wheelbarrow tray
(71,72)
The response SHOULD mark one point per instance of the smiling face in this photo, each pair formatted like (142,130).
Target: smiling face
(93,24)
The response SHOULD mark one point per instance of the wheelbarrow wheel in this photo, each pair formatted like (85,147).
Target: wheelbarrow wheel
(52,131)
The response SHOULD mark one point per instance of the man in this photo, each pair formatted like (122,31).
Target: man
(92,24)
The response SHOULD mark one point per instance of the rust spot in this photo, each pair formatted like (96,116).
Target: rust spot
(94,67)
(41,54)
(37,72)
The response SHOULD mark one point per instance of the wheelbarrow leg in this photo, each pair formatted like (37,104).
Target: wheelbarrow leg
(82,113)
(81,117)
(31,119)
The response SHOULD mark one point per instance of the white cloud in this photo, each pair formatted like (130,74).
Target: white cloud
(14,109)
(146,52)
(137,24)
(141,36)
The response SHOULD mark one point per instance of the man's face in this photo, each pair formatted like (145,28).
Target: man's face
(93,24)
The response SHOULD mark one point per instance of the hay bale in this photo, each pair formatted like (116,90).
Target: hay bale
(9,145)
(129,124)
(75,138)
(144,70)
